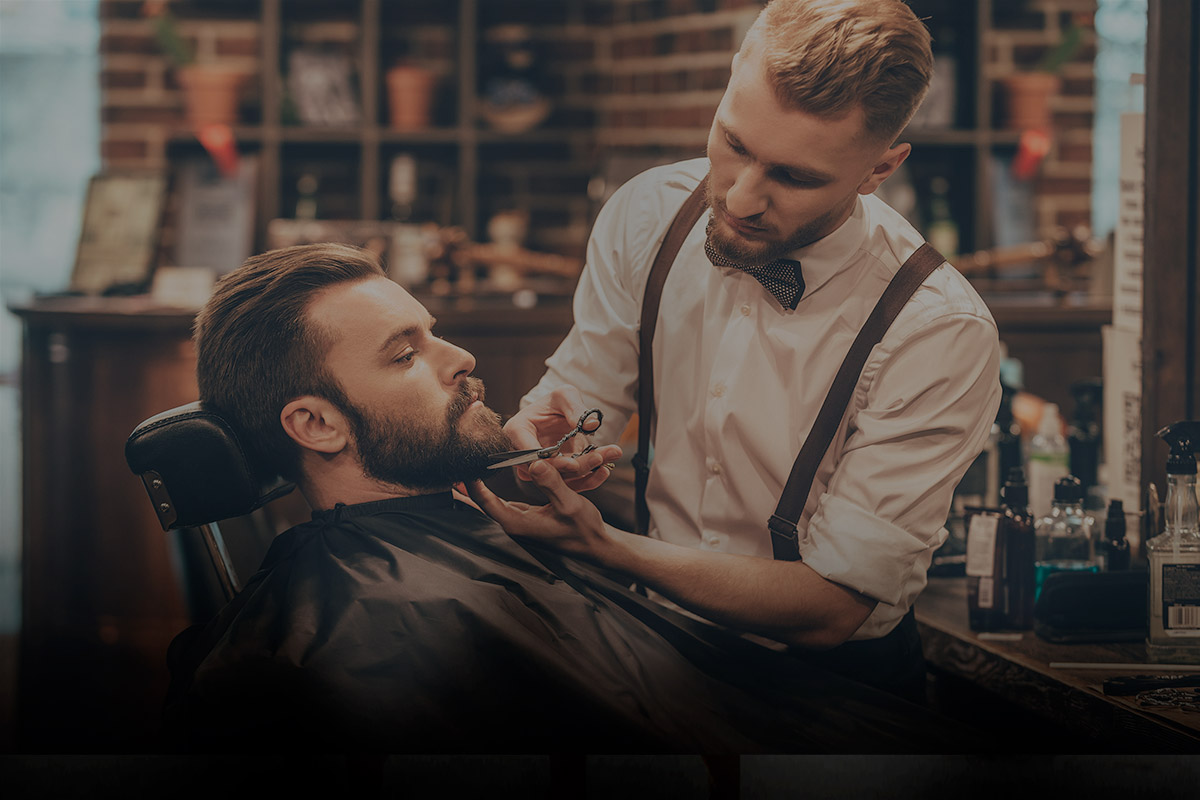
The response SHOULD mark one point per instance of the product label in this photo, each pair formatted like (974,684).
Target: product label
(1181,599)
(981,546)
(987,593)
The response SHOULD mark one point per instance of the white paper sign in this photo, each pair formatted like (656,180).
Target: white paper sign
(1127,255)
(1123,414)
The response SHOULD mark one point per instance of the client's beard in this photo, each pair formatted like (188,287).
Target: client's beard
(421,456)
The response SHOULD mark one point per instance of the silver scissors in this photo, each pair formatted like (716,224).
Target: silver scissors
(512,458)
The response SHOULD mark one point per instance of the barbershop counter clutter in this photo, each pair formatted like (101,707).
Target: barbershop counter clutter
(1042,696)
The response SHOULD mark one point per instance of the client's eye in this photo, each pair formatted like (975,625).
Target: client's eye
(406,357)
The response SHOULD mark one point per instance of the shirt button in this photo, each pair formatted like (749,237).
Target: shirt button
(714,468)
(718,390)
(713,541)
(745,309)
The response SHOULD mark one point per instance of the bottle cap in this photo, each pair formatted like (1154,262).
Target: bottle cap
(1068,489)
(1015,491)
(1184,439)
(1114,523)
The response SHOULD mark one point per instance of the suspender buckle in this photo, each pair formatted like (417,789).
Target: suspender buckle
(785,540)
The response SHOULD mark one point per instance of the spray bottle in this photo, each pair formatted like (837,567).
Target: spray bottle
(1174,555)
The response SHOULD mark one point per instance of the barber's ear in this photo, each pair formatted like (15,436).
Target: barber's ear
(316,424)
(890,162)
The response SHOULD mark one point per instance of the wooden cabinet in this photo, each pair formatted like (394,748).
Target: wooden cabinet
(101,595)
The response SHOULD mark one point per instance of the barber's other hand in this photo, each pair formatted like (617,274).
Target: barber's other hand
(569,522)
(544,422)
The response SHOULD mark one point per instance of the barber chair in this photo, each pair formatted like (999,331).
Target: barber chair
(197,475)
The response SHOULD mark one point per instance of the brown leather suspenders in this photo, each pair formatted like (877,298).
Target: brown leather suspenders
(782,524)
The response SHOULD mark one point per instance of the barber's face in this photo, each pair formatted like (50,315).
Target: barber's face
(417,417)
(779,178)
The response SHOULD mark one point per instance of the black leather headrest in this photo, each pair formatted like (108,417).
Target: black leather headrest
(195,469)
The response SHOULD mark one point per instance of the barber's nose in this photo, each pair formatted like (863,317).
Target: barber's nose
(458,362)
(746,197)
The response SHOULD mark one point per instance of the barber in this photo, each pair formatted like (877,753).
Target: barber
(746,348)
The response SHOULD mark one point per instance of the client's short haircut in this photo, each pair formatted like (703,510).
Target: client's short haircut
(256,350)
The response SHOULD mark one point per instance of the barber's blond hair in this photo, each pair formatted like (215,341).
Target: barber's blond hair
(827,57)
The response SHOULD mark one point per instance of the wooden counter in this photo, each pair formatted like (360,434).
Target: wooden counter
(1018,676)
(100,595)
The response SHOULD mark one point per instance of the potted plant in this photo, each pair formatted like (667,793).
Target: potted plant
(210,90)
(1027,94)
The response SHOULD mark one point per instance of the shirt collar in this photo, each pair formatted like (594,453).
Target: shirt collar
(828,256)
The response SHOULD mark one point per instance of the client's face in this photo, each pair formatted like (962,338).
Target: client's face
(430,453)
(417,417)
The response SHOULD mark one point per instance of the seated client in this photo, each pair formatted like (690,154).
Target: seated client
(401,617)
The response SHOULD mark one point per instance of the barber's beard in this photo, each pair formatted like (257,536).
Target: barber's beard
(430,454)
(751,253)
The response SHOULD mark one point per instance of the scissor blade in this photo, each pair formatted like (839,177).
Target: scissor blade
(524,458)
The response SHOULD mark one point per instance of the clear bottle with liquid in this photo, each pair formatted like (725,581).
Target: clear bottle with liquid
(1174,556)
(1066,535)
(1048,460)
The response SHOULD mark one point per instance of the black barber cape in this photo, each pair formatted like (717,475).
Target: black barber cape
(417,625)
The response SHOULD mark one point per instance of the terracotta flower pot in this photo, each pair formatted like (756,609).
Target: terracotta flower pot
(210,94)
(410,97)
(1027,98)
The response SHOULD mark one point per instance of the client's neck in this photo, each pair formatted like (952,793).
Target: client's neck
(329,482)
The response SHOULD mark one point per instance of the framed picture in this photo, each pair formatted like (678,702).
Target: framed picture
(215,225)
(118,242)
(321,85)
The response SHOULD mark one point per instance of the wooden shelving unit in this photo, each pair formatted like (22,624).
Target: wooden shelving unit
(362,152)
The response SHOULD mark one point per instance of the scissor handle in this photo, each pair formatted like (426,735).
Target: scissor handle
(591,412)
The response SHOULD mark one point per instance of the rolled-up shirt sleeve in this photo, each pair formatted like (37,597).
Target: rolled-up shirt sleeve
(921,413)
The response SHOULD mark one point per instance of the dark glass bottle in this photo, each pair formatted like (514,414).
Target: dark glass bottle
(1020,550)
(1116,546)
(1008,437)
(1083,434)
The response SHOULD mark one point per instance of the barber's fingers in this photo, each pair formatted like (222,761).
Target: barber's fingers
(564,500)
(487,500)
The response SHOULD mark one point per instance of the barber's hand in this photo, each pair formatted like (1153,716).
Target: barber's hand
(543,423)
(568,523)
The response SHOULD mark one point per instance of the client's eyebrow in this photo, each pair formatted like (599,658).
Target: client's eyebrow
(404,333)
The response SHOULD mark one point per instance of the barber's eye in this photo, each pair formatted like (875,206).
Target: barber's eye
(734,146)
(406,357)
(792,180)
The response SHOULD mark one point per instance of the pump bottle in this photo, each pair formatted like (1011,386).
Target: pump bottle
(1174,555)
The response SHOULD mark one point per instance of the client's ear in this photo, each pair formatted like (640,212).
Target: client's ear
(316,424)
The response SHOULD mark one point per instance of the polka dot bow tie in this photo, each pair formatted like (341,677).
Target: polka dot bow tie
(781,277)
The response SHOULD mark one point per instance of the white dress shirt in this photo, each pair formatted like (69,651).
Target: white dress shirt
(738,382)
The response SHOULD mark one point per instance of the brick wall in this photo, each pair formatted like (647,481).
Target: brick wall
(638,79)
(141,104)
(1022,33)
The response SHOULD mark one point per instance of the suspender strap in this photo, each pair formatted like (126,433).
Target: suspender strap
(681,226)
(782,524)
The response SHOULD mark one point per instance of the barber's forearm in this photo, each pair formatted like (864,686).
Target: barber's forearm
(786,601)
